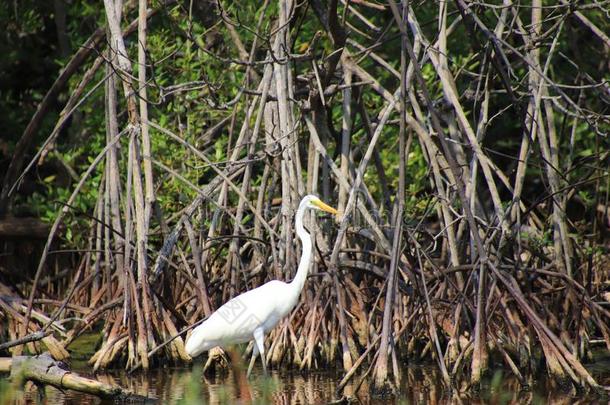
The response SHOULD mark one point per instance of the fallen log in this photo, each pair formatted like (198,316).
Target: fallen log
(28,227)
(43,369)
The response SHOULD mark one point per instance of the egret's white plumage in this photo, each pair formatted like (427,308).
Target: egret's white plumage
(251,315)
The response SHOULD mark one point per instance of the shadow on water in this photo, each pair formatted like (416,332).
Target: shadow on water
(420,385)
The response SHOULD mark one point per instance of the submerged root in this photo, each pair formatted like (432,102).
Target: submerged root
(384,388)
(217,361)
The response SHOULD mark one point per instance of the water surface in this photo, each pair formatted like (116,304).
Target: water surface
(419,385)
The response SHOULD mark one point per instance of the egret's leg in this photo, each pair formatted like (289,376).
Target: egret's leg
(254,354)
(259,337)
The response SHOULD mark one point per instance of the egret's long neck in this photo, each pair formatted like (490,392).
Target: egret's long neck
(299,280)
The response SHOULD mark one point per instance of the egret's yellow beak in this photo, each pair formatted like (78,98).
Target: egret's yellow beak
(324,207)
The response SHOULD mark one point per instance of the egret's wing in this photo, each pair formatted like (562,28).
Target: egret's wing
(236,320)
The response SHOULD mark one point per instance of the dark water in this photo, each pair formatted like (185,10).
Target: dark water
(419,385)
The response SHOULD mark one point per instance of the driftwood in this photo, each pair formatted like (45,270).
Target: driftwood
(43,369)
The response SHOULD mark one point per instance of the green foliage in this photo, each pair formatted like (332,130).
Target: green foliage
(7,391)
(193,76)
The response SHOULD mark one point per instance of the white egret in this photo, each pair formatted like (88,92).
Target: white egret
(251,315)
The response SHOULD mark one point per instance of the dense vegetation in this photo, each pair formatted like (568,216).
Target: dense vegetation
(464,143)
